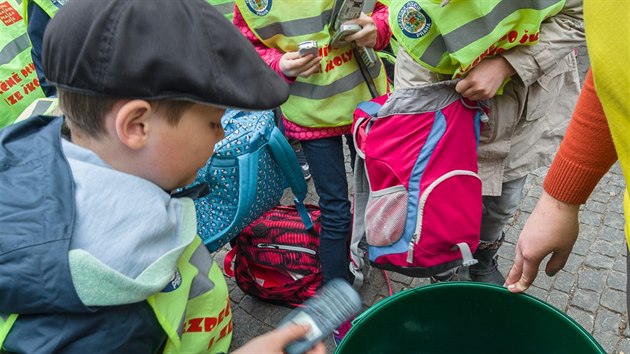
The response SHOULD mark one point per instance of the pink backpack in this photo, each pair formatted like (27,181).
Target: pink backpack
(417,195)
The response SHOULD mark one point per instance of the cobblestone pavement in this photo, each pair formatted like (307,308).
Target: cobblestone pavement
(591,288)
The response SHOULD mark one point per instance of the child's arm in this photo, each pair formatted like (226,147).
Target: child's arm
(559,36)
(271,56)
(288,65)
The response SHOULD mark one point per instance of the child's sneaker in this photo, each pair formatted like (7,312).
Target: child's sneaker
(340,332)
(306,171)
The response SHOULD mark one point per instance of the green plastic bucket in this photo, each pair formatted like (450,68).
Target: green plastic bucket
(465,317)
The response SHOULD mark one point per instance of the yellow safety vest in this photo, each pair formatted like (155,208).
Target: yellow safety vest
(19,85)
(194,310)
(607,28)
(225,7)
(50,7)
(453,39)
(327,98)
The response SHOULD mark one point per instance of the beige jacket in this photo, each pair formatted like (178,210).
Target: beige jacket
(528,121)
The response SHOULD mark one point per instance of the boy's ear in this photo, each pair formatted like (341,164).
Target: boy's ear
(133,123)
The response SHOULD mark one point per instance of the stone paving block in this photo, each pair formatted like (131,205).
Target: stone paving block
(592,279)
(616,281)
(574,263)
(590,218)
(606,248)
(599,261)
(537,292)
(558,299)
(623,346)
(607,340)
(608,322)
(614,300)
(565,281)
(620,264)
(586,300)
(614,220)
(585,319)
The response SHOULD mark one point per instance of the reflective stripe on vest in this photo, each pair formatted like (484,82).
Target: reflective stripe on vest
(41,106)
(6,322)
(19,85)
(50,7)
(195,310)
(225,7)
(468,31)
(327,98)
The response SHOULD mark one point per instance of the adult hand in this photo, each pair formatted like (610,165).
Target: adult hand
(552,228)
(275,341)
(292,65)
(483,81)
(366,37)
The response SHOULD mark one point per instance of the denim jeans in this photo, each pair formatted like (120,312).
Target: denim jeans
(497,211)
(325,158)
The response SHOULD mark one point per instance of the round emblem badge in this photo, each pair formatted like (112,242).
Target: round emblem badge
(413,21)
(175,282)
(259,7)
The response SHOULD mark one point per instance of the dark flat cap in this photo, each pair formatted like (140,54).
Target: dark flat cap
(157,49)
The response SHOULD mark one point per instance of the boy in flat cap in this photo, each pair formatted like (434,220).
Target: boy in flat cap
(97,255)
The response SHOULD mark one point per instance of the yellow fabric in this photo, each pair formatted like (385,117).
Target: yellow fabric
(19,85)
(5,327)
(333,109)
(432,34)
(206,319)
(608,38)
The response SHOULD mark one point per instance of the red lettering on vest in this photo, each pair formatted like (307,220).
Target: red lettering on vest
(14,98)
(28,69)
(194,325)
(31,86)
(9,15)
(9,82)
(512,36)
(338,60)
(209,323)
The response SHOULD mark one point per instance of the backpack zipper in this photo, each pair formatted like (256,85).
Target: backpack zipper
(286,248)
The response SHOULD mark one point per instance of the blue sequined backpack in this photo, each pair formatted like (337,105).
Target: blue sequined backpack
(246,176)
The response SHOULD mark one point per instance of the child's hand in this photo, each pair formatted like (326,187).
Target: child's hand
(366,37)
(292,65)
(276,340)
(484,80)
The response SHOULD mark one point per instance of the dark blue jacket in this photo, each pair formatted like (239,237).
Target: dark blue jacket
(36,220)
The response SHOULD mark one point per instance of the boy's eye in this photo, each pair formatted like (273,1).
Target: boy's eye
(215,126)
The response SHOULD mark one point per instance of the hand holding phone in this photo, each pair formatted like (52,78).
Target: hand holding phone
(344,30)
(334,304)
(308,47)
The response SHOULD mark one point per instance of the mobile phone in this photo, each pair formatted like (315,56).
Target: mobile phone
(345,10)
(308,47)
(334,304)
(343,31)
(368,55)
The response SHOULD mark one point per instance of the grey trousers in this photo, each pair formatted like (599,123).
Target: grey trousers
(498,210)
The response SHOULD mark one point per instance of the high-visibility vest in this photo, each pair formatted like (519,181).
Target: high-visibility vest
(194,310)
(607,27)
(225,7)
(454,38)
(19,85)
(50,7)
(327,98)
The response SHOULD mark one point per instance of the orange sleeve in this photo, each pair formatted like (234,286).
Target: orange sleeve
(586,153)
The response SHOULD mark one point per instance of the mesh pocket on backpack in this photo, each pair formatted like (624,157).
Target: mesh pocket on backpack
(385,216)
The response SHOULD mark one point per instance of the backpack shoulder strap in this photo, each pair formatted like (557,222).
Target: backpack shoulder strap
(284,155)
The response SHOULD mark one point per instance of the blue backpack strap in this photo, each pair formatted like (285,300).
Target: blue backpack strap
(284,155)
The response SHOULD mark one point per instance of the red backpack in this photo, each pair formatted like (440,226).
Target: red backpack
(276,259)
